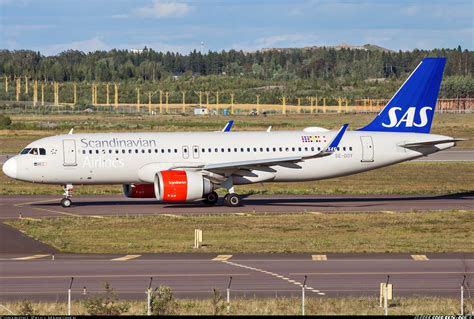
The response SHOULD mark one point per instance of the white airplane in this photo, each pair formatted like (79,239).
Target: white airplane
(190,166)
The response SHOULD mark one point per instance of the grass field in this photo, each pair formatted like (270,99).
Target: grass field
(414,232)
(28,127)
(276,306)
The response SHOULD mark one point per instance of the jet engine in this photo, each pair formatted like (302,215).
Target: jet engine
(171,186)
(139,190)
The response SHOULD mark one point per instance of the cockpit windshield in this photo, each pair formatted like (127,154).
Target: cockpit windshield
(33,151)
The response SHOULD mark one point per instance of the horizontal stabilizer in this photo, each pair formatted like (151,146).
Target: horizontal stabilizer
(430,143)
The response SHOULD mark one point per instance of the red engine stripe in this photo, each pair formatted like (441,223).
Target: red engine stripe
(175,185)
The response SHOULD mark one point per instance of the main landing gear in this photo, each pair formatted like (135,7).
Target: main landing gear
(232,200)
(66,201)
(211,198)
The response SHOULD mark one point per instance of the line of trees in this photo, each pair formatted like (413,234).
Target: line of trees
(326,69)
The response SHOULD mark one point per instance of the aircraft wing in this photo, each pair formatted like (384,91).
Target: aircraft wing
(250,164)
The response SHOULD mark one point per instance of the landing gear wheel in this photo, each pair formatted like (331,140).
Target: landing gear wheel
(211,198)
(232,200)
(66,202)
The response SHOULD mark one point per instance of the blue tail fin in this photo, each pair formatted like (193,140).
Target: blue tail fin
(411,109)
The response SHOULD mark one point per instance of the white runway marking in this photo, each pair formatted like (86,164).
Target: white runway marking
(291,281)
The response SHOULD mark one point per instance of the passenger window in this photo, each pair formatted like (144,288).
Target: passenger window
(169,150)
(185,150)
(149,150)
(248,149)
(235,149)
(123,151)
(293,149)
(242,149)
(176,150)
(162,150)
(129,151)
(156,150)
(229,150)
(210,150)
(312,148)
(90,151)
(274,149)
(287,149)
(350,148)
(299,149)
(222,150)
(97,151)
(203,150)
(319,149)
(306,149)
(281,150)
(261,149)
(344,148)
(83,152)
(254,149)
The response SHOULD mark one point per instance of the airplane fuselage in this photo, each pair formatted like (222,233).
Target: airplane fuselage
(121,158)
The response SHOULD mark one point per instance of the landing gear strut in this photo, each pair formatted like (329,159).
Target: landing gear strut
(231,199)
(211,198)
(66,202)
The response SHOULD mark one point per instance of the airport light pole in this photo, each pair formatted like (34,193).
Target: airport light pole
(303,294)
(228,295)
(69,297)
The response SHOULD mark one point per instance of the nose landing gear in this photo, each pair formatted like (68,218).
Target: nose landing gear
(66,202)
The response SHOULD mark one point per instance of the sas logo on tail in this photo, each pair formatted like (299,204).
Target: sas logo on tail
(408,118)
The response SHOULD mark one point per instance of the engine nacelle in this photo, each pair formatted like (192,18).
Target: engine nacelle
(174,186)
(139,190)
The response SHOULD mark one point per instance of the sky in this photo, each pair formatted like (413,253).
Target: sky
(53,26)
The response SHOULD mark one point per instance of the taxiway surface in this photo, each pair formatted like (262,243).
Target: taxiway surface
(38,277)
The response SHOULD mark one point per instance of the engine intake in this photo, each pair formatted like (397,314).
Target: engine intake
(174,186)
(139,190)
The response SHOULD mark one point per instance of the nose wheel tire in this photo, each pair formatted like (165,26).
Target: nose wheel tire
(211,198)
(232,200)
(66,202)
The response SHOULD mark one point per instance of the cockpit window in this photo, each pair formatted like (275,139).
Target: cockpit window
(42,151)
(25,151)
(34,151)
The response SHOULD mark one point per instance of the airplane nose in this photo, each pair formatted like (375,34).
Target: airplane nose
(9,168)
